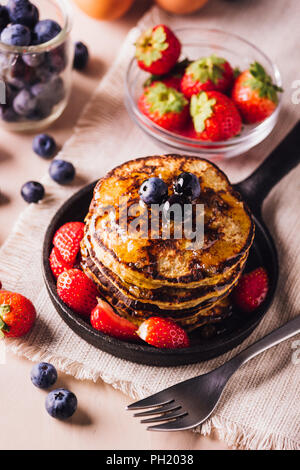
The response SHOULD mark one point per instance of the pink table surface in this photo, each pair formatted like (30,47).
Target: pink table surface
(101,421)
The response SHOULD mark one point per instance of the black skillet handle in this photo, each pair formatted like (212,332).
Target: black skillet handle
(282,160)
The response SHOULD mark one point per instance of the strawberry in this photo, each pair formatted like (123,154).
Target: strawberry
(254,94)
(77,291)
(103,318)
(57,263)
(67,241)
(165,106)
(17,315)
(215,116)
(163,333)
(251,290)
(157,50)
(207,74)
(171,79)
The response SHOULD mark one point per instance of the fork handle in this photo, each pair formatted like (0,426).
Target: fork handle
(277,336)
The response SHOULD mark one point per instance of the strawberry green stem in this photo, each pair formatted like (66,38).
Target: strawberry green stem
(4,309)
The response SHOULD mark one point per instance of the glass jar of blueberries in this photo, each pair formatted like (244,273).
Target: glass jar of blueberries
(36,57)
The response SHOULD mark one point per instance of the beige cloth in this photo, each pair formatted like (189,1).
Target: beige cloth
(260,408)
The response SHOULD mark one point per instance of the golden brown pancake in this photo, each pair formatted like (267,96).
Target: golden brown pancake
(145,262)
(142,276)
(164,298)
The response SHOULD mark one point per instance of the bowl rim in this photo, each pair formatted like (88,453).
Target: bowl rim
(202,144)
(65,7)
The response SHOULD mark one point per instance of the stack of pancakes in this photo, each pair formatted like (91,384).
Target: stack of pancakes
(142,276)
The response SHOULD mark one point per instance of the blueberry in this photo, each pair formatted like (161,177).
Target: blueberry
(57,60)
(48,94)
(153,191)
(42,92)
(23,12)
(81,56)
(32,192)
(8,114)
(46,30)
(4,17)
(19,74)
(25,103)
(43,375)
(33,60)
(10,93)
(16,35)
(42,110)
(188,185)
(177,208)
(61,403)
(61,171)
(44,145)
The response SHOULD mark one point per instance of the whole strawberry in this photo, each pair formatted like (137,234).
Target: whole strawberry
(165,106)
(215,116)
(67,241)
(77,291)
(57,263)
(17,315)
(207,74)
(171,79)
(251,290)
(103,318)
(254,94)
(157,50)
(163,333)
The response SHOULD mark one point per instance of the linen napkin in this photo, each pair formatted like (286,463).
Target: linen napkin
(260,408)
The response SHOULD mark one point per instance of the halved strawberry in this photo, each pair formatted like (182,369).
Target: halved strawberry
(67,241)
(251,290)
(165,106)
(77,291)
(103,318)
(57,263)
(163,333)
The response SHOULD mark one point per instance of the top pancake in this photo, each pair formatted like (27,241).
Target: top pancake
(146,262)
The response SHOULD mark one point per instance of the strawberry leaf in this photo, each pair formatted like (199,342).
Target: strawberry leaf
(165,99)
(150,45)
(261,82)
(208,68)
(201,109)
(3,327)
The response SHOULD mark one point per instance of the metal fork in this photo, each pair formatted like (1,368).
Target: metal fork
(190,403)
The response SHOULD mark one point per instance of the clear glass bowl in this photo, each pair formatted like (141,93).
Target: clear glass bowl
(42,74)
(198,43)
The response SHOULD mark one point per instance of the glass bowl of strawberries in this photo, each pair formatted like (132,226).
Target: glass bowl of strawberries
(202,91)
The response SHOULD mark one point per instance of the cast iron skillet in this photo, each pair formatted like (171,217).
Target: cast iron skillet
(232,331)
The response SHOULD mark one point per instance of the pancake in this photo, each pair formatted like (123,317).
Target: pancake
(152,263)
(143,276)
(158,299)
(190,319)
